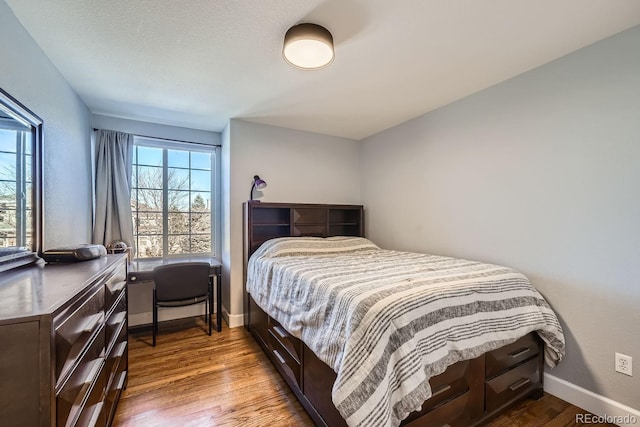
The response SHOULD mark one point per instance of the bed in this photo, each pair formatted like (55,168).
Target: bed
(371,337)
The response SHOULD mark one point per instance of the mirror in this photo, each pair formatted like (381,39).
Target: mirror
(20,184)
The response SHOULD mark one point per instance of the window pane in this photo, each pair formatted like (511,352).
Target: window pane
(178,179)
(200,201)
(135,155)
(150,200)
(200,223)
(134,200)
(201,244)
(200,160)
(179,245)
(28,198)
(149,246)
(149,177)
(134,177)
(149,156)
(178,223)
(178,201)
(8,140)
(200,180)
(8,194)
(8,166)
(7,221)
(149,223)
(29,220)
(178,158)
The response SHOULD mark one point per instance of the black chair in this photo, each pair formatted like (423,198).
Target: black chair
(181,284)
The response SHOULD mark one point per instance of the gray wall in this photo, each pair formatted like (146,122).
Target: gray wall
(28,75)
(299,167)
(541,173)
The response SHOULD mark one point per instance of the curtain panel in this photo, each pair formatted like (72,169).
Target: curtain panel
(113,219)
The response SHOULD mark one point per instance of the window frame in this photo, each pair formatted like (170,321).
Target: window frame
(215,224)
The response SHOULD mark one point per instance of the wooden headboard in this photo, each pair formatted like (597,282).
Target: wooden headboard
(264,221)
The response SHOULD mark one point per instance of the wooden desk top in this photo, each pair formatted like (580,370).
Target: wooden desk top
(142,270)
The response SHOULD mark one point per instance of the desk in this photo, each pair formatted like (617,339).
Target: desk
(142,270)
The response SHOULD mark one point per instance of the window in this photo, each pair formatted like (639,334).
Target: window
(173,198)
(15,184)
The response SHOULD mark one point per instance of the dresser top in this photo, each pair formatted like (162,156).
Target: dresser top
(42,289)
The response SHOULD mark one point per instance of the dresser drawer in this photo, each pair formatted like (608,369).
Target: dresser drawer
(116,322)
(512,384)
(93,412)
(88,371)
(292,344)
(504,358)
(114,285)
(113,361)
(114,388)
(73,331)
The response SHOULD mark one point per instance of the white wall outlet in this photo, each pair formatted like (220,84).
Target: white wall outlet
(624,364)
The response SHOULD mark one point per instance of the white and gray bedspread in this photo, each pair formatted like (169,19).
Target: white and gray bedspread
(387,321)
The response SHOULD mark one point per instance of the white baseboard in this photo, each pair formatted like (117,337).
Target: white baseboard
(615,412)
(233,320)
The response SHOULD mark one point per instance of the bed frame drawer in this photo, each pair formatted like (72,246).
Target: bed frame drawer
(505,358)
(507,387)
(283,359)
(450,384)
(292,344)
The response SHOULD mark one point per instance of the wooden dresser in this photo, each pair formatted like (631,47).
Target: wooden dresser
(63,343)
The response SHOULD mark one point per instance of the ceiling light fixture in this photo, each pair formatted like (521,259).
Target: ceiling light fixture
(308,46)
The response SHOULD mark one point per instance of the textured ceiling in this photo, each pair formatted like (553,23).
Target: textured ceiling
(198,63)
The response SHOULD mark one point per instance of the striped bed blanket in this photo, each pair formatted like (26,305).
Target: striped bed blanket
(387,321)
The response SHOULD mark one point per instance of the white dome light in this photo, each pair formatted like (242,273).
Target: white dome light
(308,46)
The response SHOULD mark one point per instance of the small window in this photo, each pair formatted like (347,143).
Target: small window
(173,199)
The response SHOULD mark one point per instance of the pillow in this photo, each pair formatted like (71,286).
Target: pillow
(289,246)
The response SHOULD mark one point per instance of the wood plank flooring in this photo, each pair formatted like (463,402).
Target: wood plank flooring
(191,379)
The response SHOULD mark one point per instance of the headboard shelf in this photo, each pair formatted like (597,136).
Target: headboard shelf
(264,221)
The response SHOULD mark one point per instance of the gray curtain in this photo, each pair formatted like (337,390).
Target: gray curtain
(114,156)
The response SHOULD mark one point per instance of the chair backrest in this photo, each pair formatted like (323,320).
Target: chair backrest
(181,281)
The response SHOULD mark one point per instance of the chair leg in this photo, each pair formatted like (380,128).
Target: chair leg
(155,317)
(209,310)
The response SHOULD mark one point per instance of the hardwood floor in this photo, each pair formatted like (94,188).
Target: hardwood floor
(191,379)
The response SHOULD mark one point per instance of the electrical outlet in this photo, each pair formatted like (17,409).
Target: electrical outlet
(624,364)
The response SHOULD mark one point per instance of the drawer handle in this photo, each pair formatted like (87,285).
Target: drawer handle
(279,357)
(97,365)
(520,383)
(123,376)
(441,390)
(117,318)
(91,323)
(281,332)
(120,350)
(96,413)
(520,352)
(118,287)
